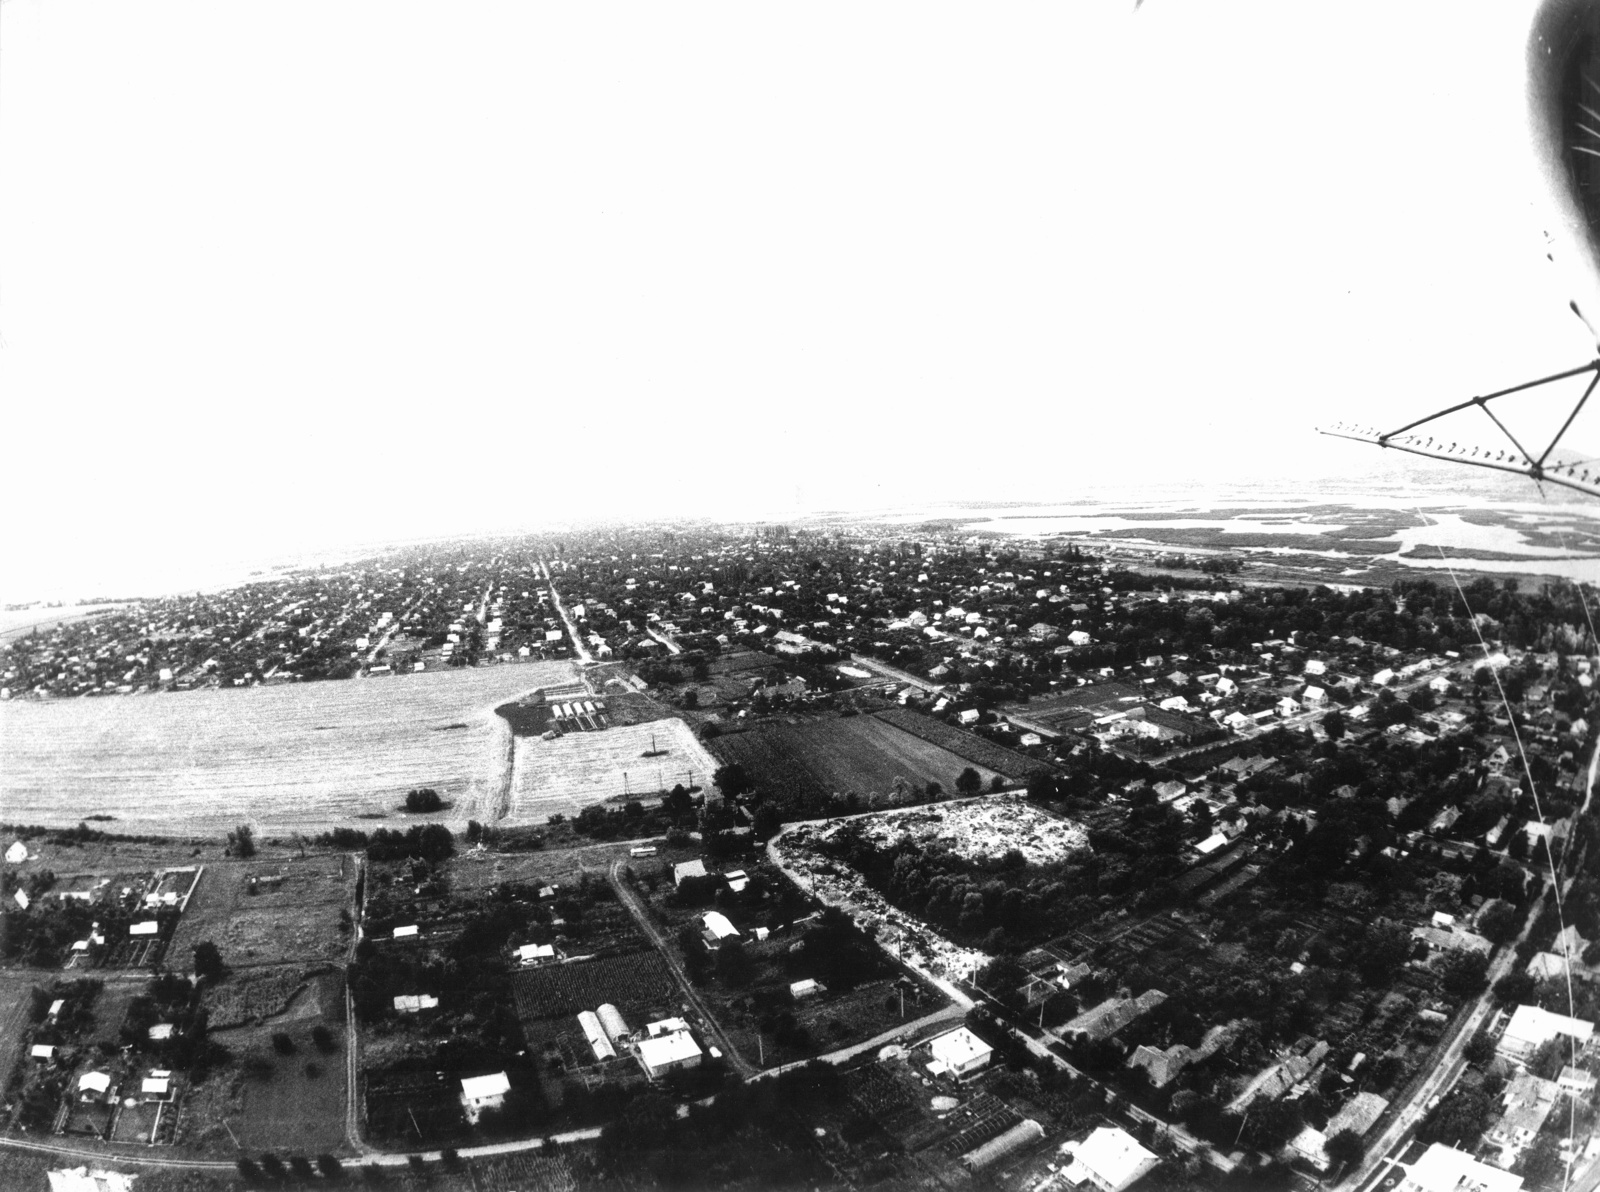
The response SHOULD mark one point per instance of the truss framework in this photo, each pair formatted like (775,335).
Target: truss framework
(1582,476)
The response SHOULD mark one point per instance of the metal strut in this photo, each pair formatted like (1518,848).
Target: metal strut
(1520,461)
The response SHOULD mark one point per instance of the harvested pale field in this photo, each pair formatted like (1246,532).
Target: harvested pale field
(978,829)
(572,772)
(302,757)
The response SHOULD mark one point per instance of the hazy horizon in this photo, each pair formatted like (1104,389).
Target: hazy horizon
(417,275)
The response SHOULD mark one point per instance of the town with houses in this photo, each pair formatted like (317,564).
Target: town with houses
(840,855)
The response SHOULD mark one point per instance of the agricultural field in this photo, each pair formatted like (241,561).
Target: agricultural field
(301,757)
(638,984)
(801,764)
(986,755)
(255,920)
(580,769)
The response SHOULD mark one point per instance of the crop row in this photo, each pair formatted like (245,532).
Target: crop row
(634,983)
(975,749)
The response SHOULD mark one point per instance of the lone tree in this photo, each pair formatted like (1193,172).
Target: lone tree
(242,840)
(969,782)
(208,964)
(732,781)
(248,1171)
(423,799)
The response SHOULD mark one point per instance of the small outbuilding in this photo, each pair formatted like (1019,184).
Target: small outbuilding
(483,1092)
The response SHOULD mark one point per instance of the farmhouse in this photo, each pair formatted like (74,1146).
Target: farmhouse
(1444,1169)
(160,1031)
(92,1085)
(415,1003)
(406,933)
(529,955)
(1531,1027)
(683,869)
(800,990)
(483,1092)
(82,1179)
(1110,1159)
(43,1051)
(17,853)
(157,1087)
(1109,1017)
(958,1053)
(667,1053)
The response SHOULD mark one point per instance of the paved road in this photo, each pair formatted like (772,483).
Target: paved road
(844,1054)
(886,671)
(630,899)
(566,617)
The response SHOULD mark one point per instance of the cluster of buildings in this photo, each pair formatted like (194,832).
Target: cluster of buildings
(667,1045)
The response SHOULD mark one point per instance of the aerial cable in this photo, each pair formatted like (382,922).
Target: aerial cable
(1533,791)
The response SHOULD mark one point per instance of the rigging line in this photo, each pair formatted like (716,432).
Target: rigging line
(1566,956)
(1533,791)
(1478,401)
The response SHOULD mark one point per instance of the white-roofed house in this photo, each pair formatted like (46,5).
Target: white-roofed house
(409,932)
(959,1052)
(529,955)
(17,853)
(1444,1169)
(1531,1027)
(1110,1159)
(668,1052)
(483,1092)
(683,869)
(92,1085)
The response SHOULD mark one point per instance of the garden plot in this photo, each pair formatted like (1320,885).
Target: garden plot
(979,830)
(575,771)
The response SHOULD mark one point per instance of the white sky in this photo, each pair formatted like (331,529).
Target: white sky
(305,273)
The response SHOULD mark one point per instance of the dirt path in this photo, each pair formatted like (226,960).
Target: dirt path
(641,913)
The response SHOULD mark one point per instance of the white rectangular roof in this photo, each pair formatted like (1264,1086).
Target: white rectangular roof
(481,1088)
(958,1048)
(668,1049)
(401,933)
(718,925)
(155,1085)
(147,928)
(1115,1156)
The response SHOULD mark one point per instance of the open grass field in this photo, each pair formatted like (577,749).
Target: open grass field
(301,757)
(580,769)
(295,920)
